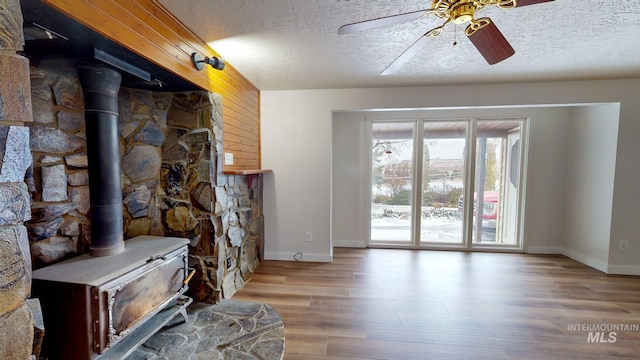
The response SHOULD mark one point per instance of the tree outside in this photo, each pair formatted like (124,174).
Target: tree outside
(391,175)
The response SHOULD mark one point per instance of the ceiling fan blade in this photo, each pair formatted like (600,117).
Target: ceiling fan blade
(415,48)
(490,42)
(520,3)
(383,21)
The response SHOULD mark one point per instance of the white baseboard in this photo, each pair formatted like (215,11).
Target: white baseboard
(587,260)
(298,257)
(543,250)
(624,270)
(359,244)
(596,264)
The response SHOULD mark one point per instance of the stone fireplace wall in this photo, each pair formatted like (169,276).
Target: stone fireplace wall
(16,320)
(173,184)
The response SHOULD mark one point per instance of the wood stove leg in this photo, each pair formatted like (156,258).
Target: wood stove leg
(183,312)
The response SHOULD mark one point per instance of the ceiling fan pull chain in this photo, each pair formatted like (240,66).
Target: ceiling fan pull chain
(455,34)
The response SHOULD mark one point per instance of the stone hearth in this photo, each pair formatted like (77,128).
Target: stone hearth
(227,330)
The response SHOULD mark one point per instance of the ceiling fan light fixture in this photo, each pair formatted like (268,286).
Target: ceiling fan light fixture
(463,13)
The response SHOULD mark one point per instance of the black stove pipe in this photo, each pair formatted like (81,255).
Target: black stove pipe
(100,86)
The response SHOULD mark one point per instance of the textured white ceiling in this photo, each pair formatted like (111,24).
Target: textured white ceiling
(293,44)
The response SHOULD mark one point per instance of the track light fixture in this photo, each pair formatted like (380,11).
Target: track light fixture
(199,61)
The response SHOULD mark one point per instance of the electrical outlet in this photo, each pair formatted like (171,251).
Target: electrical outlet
(623,245)
(308,236)
(228,158)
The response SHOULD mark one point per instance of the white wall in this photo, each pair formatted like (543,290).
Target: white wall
(625,214)
(591,159)
(349,180)
(545,181)
(297,144)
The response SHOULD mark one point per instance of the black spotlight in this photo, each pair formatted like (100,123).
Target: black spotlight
(199,61)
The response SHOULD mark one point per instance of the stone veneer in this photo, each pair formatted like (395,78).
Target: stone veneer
(173,184)
(16,320)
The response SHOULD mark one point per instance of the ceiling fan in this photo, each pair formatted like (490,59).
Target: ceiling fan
(482,32)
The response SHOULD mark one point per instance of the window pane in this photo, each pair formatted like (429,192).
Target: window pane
(442,182)
(391,182)
(497,178)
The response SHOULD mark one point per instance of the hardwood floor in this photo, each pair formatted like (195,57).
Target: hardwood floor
(404,304)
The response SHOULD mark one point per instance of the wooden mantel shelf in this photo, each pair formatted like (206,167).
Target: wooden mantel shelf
(247,172)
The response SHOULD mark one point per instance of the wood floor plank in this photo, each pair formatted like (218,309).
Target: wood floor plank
(307,344)
(417,304)
(273,299)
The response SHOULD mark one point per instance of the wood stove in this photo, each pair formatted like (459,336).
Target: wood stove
(103,307)
(106,303)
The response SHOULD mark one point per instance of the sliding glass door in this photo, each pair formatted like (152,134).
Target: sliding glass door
(423,172)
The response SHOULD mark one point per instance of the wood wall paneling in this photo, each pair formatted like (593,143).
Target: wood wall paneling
(148,29)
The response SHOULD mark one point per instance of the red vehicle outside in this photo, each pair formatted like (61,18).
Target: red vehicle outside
(489,210)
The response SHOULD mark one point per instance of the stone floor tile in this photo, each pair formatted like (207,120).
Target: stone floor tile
(227,330)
